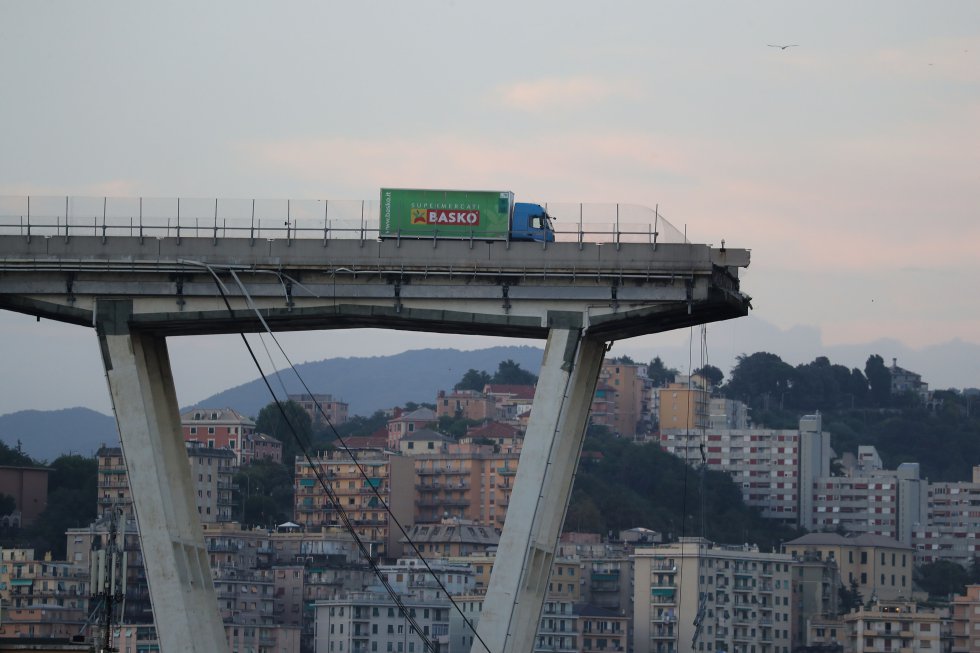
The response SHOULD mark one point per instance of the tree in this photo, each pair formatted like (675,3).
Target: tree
(879,380)
(659,373)
(510,373)
(265,491)
(8,504)
(850,598)
(941,578)
(712,374)
(291,425)
(72,502)
(15,457)
(759,379)
(473,380)
(623,360)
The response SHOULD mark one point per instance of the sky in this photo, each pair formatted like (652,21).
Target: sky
(848,164)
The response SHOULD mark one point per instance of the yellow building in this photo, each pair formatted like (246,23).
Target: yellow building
(894,626)
(880,566)
(966,621)
(468,482)
(684,406)
(356,487)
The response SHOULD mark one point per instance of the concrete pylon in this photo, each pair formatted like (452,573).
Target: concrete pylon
(185,605)
(512,608)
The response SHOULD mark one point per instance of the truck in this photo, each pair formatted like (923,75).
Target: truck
(462,214)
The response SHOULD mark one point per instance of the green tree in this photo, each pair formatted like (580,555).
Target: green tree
(941,578)
(511,373)
(659,373)
(72,503)
(473,380)
(879,380)
(760,379)
(849,597)
(8,504)
(14,457)
(290,425)
(272,483)
(712,374)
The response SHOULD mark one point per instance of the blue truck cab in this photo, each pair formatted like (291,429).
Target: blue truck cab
(531,222)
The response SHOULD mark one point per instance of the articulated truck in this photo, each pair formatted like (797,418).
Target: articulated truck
(462,214)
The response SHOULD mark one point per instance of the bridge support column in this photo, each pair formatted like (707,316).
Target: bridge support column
(185,605)
(519,582)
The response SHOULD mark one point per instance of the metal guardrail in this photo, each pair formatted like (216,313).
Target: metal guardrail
(326,220)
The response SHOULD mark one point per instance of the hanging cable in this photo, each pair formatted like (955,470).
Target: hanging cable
(315,468)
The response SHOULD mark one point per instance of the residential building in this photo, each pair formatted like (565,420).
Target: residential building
(29,488)
(362,487)
(894,626)
(727,414)
(684,406)
(511,402)
(816,585)
(873,501)
(467,482)
(424,441)
(602,630)
(403,424)
(966,621)
(630,396)
(558,631)
(776,469)
(505,438)
(906,381)
(322,408)
(696,595)
(212,471)
(465,404)
(41,598)
(881,567)
(453,538)
(219,428)
(951,530)
(360,622)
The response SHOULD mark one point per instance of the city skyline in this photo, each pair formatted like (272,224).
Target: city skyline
(846,164)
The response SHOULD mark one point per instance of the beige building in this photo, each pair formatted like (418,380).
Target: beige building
(29,488)
(356,486)
(321,409)
(631,396)
(880,566)
(468,482)
(466,404)
(746,598)
(966,621)
(894,626)
(453,538)
(41,598)
(684,406)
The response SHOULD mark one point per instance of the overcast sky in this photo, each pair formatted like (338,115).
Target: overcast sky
(849,164)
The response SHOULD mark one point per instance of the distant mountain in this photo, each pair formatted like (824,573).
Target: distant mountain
(371,383)
(46,434)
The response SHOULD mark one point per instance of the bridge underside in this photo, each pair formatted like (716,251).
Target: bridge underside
(577,296)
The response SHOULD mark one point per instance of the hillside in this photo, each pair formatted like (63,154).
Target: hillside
(371,383)
(46,434)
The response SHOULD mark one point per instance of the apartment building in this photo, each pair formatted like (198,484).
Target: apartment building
(363,622)
(322,408)
(630,394)
(696,595)
(219,428)
(469,482)
(453,538)
(880,566)
(890,503)
(776,469)
(727,414)
(602,630)
(41,598)
(511,402)
(966,621)
(361,487)
(505,438)
(212,471)
(951,530)
(465,404)
(894,626)
(684,405)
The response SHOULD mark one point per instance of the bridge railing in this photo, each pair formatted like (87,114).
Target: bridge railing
(105,217)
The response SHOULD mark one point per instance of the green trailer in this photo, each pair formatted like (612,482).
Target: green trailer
(415,213)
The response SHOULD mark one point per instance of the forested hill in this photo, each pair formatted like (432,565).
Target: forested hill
(940,432)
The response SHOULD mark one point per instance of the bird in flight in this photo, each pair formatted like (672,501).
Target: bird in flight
(783,47)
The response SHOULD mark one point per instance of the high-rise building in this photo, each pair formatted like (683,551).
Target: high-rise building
(467,482)
(951,529)
(322,408)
